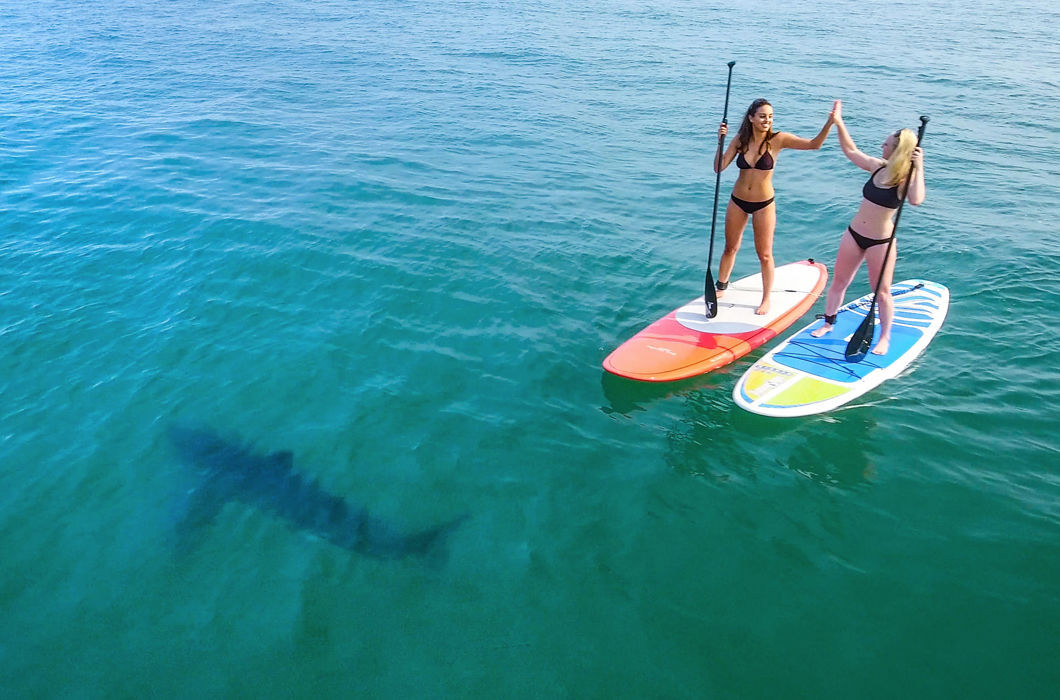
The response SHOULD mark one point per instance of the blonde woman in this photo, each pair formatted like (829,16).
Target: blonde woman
(869,233)
(755,149)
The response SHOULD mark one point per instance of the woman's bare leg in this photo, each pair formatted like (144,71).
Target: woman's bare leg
(735,222)
(847,261)
(884,300)
(765,223)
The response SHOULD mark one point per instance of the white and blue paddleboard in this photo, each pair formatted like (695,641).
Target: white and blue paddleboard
(806,375)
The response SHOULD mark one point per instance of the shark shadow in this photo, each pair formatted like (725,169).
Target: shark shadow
(228,471)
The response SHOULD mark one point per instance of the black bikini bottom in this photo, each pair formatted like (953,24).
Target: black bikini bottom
(864,242)
(751,207)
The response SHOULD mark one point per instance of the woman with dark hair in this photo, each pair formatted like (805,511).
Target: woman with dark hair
(755,149)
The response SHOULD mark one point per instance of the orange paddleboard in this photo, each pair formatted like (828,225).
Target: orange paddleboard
(684,342)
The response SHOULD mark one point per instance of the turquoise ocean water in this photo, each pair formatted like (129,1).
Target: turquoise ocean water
(397,239)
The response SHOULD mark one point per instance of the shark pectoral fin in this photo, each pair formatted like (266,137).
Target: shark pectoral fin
(196,511)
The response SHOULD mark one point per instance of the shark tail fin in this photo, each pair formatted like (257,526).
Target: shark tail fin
(431,543)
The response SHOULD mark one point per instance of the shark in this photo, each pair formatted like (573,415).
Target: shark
(228,471)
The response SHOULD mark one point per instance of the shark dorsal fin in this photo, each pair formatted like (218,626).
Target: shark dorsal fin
(284,459)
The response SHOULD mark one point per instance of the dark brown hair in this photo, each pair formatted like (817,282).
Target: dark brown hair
(743,137)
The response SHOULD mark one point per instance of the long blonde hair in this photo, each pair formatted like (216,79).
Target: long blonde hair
(901,160)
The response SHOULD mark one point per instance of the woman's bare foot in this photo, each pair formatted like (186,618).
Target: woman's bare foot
(720,288)
(882,346)
(824,329)
(763,308)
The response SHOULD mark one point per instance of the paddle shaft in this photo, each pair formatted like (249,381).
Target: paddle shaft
(710,296)
(717,178)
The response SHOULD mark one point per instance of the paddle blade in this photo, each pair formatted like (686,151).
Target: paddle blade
(861,341)
(710,296)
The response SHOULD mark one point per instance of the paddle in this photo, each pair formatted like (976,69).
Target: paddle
(860,342)
(710,296)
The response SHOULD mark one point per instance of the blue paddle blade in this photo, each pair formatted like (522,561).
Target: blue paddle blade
(861,341)
(858,356)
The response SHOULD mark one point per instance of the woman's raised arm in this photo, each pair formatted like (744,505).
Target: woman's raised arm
(850,150)
(800,144)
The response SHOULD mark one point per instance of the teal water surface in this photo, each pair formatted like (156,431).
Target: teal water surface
(397,239)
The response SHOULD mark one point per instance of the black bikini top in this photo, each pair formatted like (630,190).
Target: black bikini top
(763,163)
(884,196)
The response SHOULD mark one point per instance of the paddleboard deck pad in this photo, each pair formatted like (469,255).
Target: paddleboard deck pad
(685,343)
(806,375)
